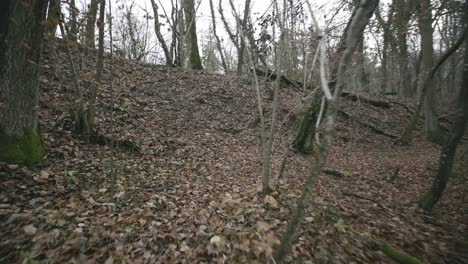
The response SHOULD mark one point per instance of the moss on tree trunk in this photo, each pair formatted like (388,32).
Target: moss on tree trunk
(24,149)
(20,47)
(304,140)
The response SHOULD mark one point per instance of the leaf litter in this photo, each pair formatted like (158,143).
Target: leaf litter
(190,194)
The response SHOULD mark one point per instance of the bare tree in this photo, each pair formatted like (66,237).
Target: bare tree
(218,41)
(157,29)
(430,198)
(91,22)
(359,21)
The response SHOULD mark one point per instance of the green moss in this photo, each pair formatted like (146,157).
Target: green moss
(304,139)
(426,200)
(25,149)
(399,256)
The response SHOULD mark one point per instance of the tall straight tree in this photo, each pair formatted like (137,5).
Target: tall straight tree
(431,123)
(91,23)
(20,49)
(190,20)
(403,12)
(243,27)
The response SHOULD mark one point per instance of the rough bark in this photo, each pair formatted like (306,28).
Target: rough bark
(91,23)
(193,52)
(20,49)
(430,198)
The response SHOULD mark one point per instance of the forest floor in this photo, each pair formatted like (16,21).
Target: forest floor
(187,192)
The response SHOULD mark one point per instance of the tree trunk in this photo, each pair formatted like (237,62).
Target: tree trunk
(190,20)
(300,137)
(430,198)
(361,61)
(73,21)
(218,41)
(387,38)
(157,29)
(20,49)
(52,17)
(431,124)
(304,140)
(90,115)
(403,11)
(358,22)
(240,59)
(91,23)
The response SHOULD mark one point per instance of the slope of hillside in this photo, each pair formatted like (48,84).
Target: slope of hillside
(186,189)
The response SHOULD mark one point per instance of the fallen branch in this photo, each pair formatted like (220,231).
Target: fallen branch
(273,76)
(372,127)
(377,103)
(102,140)
(336,173)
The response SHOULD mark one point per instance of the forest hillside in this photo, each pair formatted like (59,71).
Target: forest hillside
(174,177)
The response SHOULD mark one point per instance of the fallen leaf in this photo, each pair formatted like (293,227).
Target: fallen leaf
(30,229)
(270,200)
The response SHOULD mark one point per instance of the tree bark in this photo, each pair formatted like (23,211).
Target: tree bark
(403,11)
(20,49)
(190,20)
(91,23)
(315,101)
(431,123)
